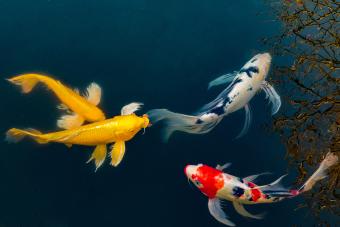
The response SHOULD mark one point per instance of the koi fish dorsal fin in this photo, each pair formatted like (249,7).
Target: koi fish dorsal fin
(242,211)
(93,94)
(216,211)
(131,108)
(98,155)
(117,153)
(251,178)
(63,138)
(273,187)
(70,121)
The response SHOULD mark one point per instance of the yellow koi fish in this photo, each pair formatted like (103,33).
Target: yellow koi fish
(116,130)
(83,108)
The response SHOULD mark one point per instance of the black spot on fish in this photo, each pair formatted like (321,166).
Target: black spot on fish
(276,199)
(251,69)
(237,191)
(199,121)
(218,110)
(255,59)
(227,101)
(238,80)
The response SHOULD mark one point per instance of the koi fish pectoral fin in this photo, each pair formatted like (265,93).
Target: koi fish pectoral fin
(93,94)
(247,121)
(216,211)
(117,153)
(98,155)
(70,121)
(272,95)
(226,78)
(223,167)
(131,108)
(242,211)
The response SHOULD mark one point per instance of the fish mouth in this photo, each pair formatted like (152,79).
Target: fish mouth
(189,170)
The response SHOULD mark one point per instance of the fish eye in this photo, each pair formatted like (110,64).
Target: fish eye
(197,183)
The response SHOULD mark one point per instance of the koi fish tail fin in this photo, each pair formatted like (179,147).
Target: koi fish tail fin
(26,81)
(180,122)
(15,135)
(330,160)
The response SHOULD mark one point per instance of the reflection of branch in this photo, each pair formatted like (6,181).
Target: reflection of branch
(298,83)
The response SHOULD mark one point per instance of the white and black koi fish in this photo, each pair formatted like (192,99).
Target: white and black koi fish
(244,84)
(218,185)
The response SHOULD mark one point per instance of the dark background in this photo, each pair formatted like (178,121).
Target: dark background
(162,53)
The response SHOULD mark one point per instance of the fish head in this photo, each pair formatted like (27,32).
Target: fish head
(207,179)
(258,66)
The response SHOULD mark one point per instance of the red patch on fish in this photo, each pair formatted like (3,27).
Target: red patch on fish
(211,180)
(294,192)
(255,193)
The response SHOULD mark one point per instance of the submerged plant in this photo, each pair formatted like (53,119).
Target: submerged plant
(310,124)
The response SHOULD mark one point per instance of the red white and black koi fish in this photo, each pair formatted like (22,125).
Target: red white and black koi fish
(243,85)
(217,186)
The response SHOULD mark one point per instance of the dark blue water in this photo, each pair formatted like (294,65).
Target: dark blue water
(162,53)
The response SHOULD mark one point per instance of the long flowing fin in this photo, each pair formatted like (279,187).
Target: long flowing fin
(226,78)
(247,121)
(272,95)
(180,122)
(15,135)
(70,121)
(216,211)
(242,211)
(117,153)
(330,160)
(93,94)
(26,81)
(252,178)
(131,108)
(274,186)
(98,155)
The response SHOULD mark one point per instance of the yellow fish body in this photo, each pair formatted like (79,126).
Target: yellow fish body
(116,130)
(83,108)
